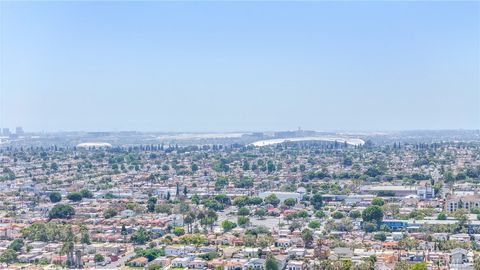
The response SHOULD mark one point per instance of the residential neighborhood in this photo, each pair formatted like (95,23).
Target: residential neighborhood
(291,205)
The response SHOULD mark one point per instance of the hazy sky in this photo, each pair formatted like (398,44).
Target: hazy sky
(225,66)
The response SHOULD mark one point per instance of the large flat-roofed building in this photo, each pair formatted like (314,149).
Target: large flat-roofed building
(19,131)
(423,192)
(462,202)
(282,196)
(397,190)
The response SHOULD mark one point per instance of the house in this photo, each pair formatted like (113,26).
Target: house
(138,262)
(250,252)
(341,252)
(217,262)
(229,252)
(197,264)
(296,252)
(440,236)
(28,258)
(397,236)
(458,256)
(127,213)
(295,265)
(180,262)
(256,264)
(281,260)
(178,250)
(164,261)
(235,264)
(463,237)
(174,250)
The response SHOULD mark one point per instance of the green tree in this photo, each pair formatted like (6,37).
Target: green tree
(178,231)
(419,266)
(270,166)
(109,213)
(355,214)
(271,263)
(163,208)
(209,219)
(84,235)
(380,236)
(272,199)
(74,196)
(347,161)
(373,213)
(240,201)
(54,167)
(221,182)
(141,236)
(448,176)
(402,265)
(86,193)
(68,246)
(320,214)
(302,167)
(228,225)
(16,244)
(246,165)
(98,258)
(255,200)
(373,171)
(442,216)
(307,237)
(378,201)
(55,197)
(243,211)
(124,232)
(194,167)
(243,221)
(290,202)
(317,201)
(8,256)
(62,211)
(195,199)
(244,182)
(151,202)
(261,212)
(338,215)
(314,224)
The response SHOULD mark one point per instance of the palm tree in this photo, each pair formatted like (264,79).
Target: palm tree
(85,237)
(69,246)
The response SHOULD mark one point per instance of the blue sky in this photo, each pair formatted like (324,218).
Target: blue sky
(229,66)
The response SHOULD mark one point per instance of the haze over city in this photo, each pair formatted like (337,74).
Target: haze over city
(240,135)
(239,66)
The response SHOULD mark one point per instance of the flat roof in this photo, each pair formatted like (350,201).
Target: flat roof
(391,188)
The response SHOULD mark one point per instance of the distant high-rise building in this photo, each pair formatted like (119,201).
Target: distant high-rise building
(19,131)
(6,132)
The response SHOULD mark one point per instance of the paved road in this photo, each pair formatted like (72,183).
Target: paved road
(121,261)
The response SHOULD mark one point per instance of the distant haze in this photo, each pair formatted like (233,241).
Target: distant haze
(232,66)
